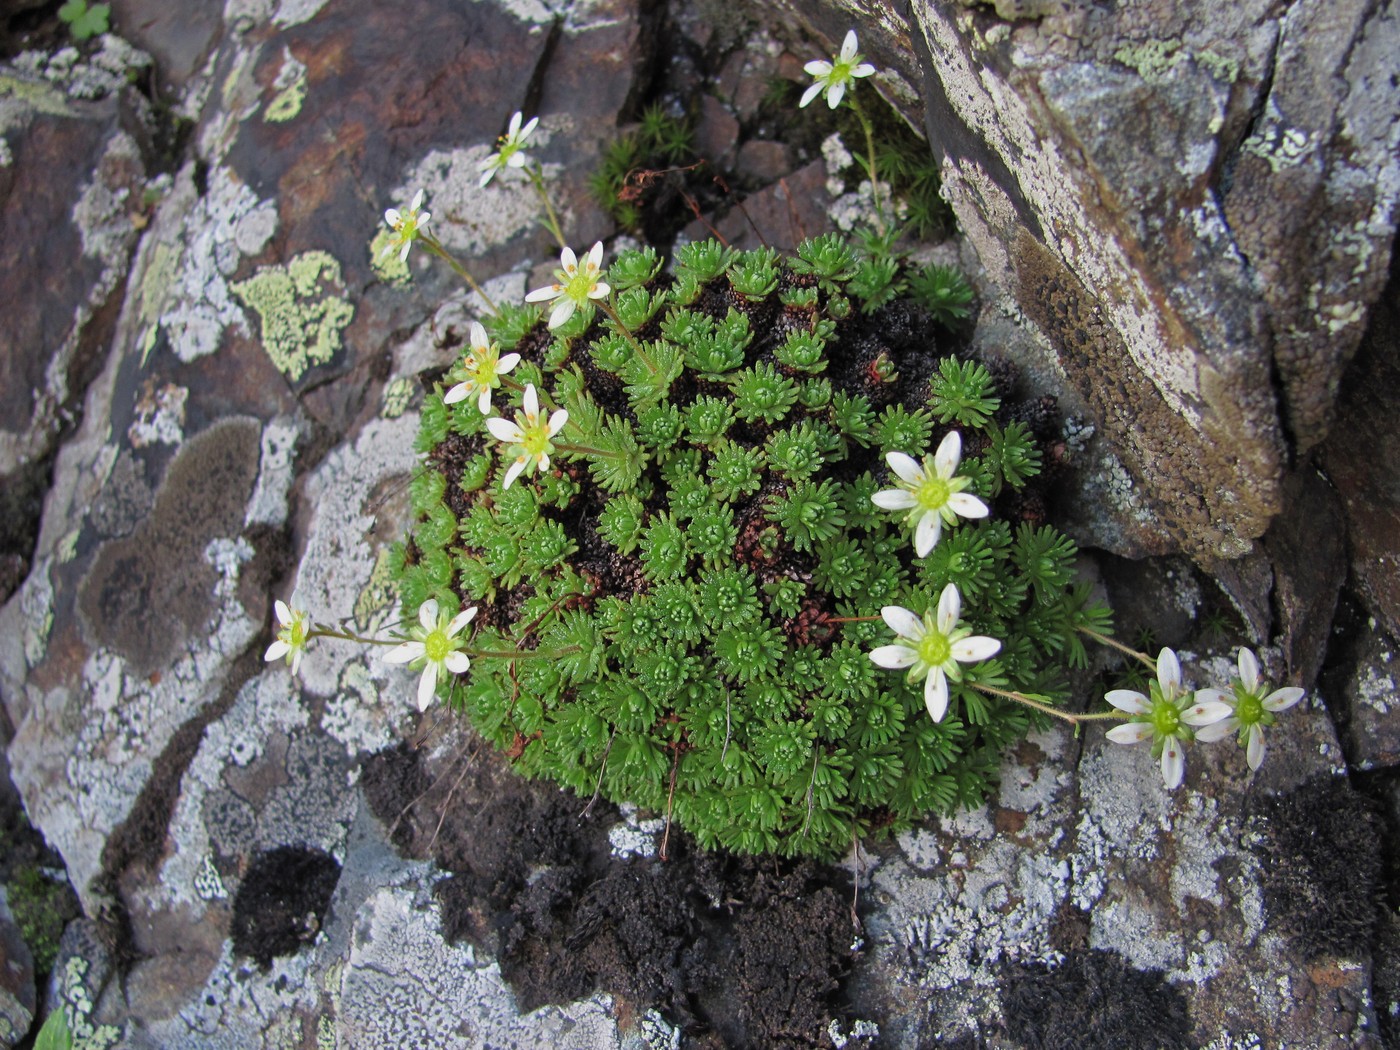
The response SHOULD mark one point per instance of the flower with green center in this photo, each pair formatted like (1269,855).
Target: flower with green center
(481,371)
(528,436)
(1252,707)
(932,648)
(1166,717)
(407,226)
(434,646)
(932,493)
(834,77)
(292,638)
(508,150)
(576,284)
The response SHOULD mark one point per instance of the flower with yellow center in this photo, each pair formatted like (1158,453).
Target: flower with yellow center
(434,646)
(406,225)
(1252,706)
(933,647)
(291,638)
(509,150)
(576,284)
(932,493)
(481,371)
(1166,717)
(834,77)
(528,436)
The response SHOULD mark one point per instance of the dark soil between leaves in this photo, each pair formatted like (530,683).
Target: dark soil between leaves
(743,952)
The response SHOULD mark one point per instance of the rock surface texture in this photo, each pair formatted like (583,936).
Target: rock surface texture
(1193,212)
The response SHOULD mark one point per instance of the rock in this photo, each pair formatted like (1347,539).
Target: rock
(1172,278)
(17,1002)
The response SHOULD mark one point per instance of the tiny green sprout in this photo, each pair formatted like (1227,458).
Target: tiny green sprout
(828,258)
(754,275)
(705,260)
(84,21)
(944,292)
(961,392)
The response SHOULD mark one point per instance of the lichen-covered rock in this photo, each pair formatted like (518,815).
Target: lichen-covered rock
(17,1002)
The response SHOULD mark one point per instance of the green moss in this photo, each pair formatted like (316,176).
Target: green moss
(42,908)
(302,320)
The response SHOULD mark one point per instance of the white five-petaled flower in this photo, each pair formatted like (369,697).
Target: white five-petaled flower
(932,493)
(833,78)
(1252,707)
(481,371)
(1166,717)
(932,648)
(528,436)
(407,226)
(434,645)
(576,283)
(508,150)
(291,638)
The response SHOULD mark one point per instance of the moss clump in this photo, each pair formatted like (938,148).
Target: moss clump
(42,907)
(698,576)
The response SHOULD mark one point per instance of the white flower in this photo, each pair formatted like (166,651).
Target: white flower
(1252,706)
(934,646)
(482,371)
(528,436)
(434,645)
(508,150)
(292,638)
(407,226)
(1166,717)
(932,493)
(834,77)
(576,284)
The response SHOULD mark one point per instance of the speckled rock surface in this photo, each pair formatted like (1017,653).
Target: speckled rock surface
(17,1001)
(248,436)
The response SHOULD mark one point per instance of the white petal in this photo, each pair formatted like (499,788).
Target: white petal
(513,472)
(296,662)
(542,462)
(403,255)
(907,467)
(1249,670)
(903,622)
(1127,700)
(557,419)
(966,505)
(926,534)
(600,290)
(391,216)
(530,126)
(1254,749)
(818,67)
(506,363)
(1130,732)
(423,220)
(478,336)
(894,499)
(977,647)
(1168,671)
(427,614)
(833,99)
(514,128)
(848,46)
(568,260)
(457,393)
(284,614)
(503,429)
(417,201)
(812,92)
(276,650)
(863,70)
(1173,764)
(461,620)
(595,255)
(1208,696)
(949,453)
(949,608)
(1204,714)
(893,657)
(563,310)
(539,295)
(532,400)
(1218,730)
(487,175)
(457,663)
(427,686)
(1283,699)
(404,653)
(936,694)
(483,401)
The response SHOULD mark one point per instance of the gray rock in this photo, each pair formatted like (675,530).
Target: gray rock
(17,1002)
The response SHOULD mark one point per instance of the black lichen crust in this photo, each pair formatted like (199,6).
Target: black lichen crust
(707,581)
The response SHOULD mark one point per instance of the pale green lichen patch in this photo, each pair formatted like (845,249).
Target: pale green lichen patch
(1156,59)
(302,319)
(291,90)
(77,999)
(387,265)
(397,397)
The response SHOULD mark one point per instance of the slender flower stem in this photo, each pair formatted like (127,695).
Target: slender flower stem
(870,165)
(1021,698)
(322,631)
(551,218)
(1103,639)
(522,654)
(588,450)
(636,345)
(851,619)
(432,244)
